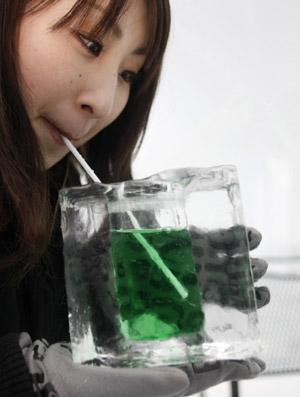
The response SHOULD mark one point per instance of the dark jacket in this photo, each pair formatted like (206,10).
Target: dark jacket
(37,306)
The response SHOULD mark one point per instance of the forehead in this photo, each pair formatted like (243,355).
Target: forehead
(101,12)
(99,17)
(71,10)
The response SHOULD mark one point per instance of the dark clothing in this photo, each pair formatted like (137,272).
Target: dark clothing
(38,305)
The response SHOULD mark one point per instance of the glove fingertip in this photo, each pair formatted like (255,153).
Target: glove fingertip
(259,268)
(175,381)
(263,296)
(254,237)
(257,366)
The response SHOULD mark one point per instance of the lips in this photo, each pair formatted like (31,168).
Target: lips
(56,132)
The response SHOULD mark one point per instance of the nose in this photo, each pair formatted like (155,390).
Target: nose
(97,95)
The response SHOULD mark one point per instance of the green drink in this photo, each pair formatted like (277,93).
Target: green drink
(151,305)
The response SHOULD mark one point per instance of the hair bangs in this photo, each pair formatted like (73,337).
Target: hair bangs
(83,9)
(81,13)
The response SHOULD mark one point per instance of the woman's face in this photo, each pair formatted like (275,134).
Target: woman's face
(73,84)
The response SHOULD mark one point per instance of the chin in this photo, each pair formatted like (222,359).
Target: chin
(50,161)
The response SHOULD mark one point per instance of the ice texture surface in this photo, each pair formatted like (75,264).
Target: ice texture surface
(115,323)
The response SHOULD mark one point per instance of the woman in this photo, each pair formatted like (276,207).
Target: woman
(88,70)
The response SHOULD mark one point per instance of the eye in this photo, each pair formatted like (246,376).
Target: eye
(128,76)
(93,46)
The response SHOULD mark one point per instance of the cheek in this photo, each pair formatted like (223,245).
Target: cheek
(41,75)
(121,101)
(34,80)
(31,75)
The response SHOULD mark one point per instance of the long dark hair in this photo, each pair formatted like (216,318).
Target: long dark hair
(24,195)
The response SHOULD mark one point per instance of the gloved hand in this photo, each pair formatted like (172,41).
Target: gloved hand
(223,267)
(54,371)
(54,374)
(203,376)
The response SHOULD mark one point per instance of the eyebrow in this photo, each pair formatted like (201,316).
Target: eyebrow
(117,32)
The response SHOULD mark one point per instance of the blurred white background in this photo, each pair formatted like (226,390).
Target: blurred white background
(230,94)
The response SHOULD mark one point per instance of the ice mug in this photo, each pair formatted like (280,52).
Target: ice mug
(158,270)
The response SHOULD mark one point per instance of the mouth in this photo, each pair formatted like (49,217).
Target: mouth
(56,132)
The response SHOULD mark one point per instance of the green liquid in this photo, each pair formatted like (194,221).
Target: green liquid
(150,304)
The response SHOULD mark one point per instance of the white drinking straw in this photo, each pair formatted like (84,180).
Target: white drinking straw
(81,160)
(154,255)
